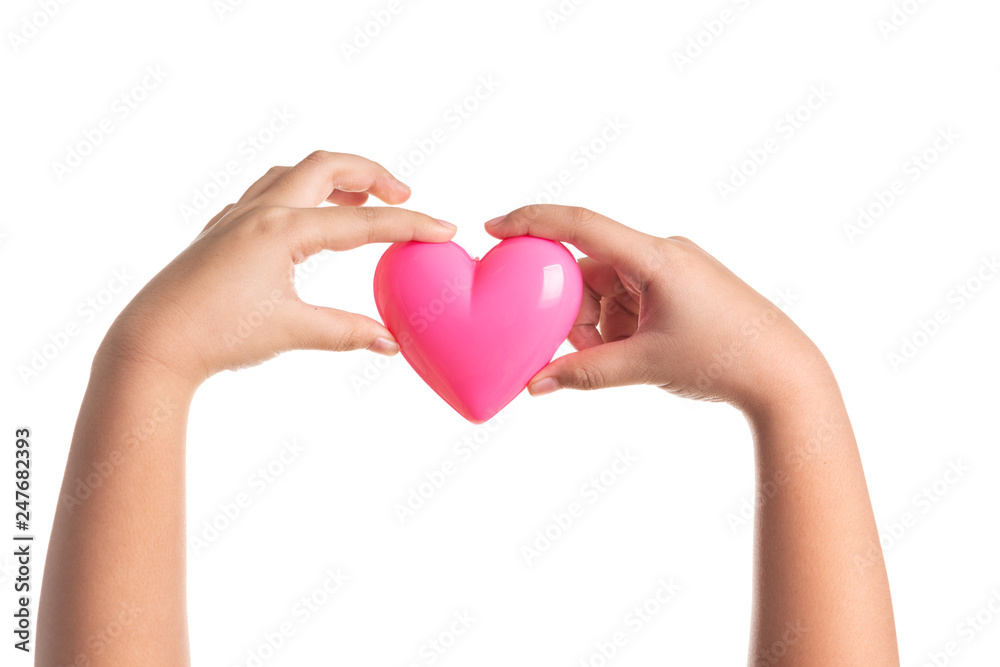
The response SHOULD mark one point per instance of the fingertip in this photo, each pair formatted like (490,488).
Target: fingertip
(390,189)
(394,197)
(495,227)
(440,231)
(384,346)
(400,193)
(544,386)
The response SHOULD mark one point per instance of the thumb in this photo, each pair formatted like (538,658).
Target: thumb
(338,331)
(607,365)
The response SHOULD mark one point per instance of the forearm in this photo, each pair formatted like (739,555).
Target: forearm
(113,592)
(816,601)
(114,583)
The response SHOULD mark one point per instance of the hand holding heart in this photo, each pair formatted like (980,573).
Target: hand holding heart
(664,312)
(227,301)
(654,311)
(638,308)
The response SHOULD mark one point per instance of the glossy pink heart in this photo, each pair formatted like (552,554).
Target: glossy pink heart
(476,330)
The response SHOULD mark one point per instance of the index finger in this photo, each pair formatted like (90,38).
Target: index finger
(321,173)
(595,235)
(347,227)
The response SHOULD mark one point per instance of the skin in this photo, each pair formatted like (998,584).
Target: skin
(664,312)
(656,311)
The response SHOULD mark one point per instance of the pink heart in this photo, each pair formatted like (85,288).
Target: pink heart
(476,330)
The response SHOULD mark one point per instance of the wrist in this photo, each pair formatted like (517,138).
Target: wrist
(119,362)
(800,391)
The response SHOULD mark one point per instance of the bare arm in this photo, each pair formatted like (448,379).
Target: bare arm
(114,583)
(821,593)
(666,313)
(113,592)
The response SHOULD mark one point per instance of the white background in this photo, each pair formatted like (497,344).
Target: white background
(366,443)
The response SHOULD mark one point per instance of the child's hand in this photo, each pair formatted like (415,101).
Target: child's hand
(669,314)
(665,312)
(227,301)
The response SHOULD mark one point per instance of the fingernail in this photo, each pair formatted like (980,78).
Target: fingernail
(494,221)
(544,386)
(445,223)
(384,346)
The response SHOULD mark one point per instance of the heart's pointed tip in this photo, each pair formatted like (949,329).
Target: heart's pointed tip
(477,419)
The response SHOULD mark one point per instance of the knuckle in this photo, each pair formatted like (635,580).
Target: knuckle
(268,220)
(364,220)
(366,215)
(348,338)
(583,222)
(582,217)
(587,377)
(319,157)
(683,246)
(662,247)
(664,251)
(275,170)
(528,213)
(676,247)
